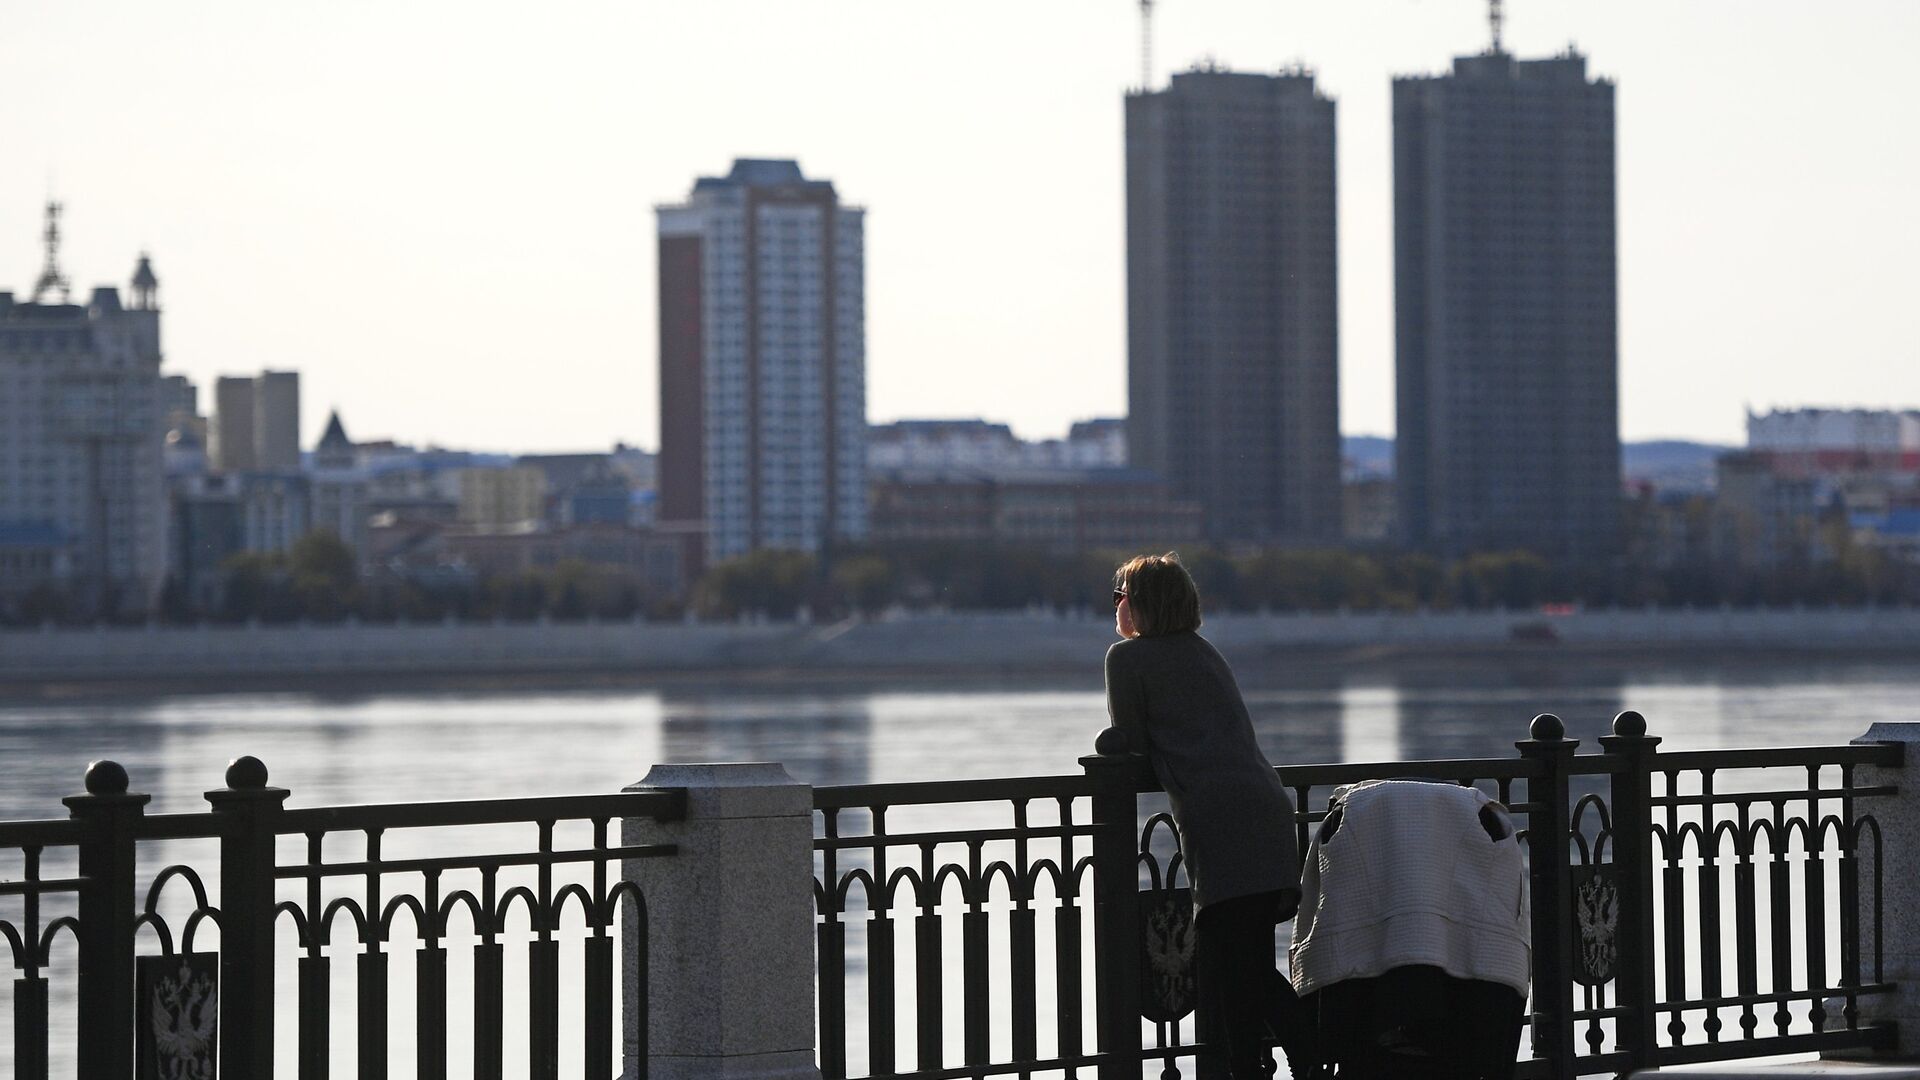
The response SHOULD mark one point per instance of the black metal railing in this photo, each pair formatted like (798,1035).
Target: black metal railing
(1686,907)
(899,863)
(1744,841)
(136,982)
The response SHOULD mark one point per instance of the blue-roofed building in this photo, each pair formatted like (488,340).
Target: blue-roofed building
(1895,531)
(33,554)
(603,500)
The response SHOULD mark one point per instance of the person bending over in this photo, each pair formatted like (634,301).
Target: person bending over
(1175,698)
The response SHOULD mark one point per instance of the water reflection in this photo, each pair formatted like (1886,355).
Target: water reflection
(352,745)
(1481,711)
(821,740)
(1424,711)
(44,752)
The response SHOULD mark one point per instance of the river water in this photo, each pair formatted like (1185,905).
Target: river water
(349,746)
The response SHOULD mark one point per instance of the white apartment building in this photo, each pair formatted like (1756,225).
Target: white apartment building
(82,496)
(983,445)
(763,362)
(1805,430)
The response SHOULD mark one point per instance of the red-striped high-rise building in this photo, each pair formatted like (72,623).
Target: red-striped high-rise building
(763,363)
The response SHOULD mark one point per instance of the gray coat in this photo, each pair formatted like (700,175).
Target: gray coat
(1175,698)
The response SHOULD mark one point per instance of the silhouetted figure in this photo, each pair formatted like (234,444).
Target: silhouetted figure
(1176,699)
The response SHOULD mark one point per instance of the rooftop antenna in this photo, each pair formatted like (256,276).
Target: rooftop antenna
(50,276)
(1146,45)
(1495,19)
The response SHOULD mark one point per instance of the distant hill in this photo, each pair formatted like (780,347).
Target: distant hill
(1672,464)
(1367,455)
(1668,464)
(1670,453)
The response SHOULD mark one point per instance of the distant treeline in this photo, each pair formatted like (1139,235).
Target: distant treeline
(317,579)
(975,577)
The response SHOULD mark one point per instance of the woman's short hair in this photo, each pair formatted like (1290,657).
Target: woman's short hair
(1162,595)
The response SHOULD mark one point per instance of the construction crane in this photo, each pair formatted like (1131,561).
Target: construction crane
(1496,18)
(1146,45)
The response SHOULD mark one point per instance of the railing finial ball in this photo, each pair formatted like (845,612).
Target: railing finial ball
(106,778)
(1547,728)
(1631,724)
(246,772)
(1112,741)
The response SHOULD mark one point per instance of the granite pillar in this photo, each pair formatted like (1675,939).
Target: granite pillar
(730,972)
(1899,819)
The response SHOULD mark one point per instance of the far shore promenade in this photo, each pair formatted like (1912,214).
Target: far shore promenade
(218,657)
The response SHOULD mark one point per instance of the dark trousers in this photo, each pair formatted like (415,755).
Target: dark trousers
(1244,1001)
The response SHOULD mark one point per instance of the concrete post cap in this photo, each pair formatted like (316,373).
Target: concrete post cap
(734,790)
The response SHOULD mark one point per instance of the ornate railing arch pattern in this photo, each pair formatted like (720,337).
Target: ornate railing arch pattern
(1639,862)
(127,938)
(972,853)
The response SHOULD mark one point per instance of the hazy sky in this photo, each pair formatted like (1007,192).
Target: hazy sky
(441,213)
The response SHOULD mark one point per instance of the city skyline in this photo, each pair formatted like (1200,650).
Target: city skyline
(480,220)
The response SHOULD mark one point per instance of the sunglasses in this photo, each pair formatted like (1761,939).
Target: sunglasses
(1119,595)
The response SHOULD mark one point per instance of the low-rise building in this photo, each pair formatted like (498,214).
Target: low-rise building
(1367,509)
(605,500)
(658,561)
(1814,431)
(496,498)
(982,444)
(339,485)
(208,526)
(276,509)
(1067,510)
(1767,515)
(216,515)
(1894,531)
(640,467)
(33,556)
(584,489)
(1775,501)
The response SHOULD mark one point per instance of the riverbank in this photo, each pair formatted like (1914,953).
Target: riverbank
(65,662)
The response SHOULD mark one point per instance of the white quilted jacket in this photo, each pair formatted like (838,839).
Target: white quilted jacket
(1412,877)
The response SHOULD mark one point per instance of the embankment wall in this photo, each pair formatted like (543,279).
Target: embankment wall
(915,643)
